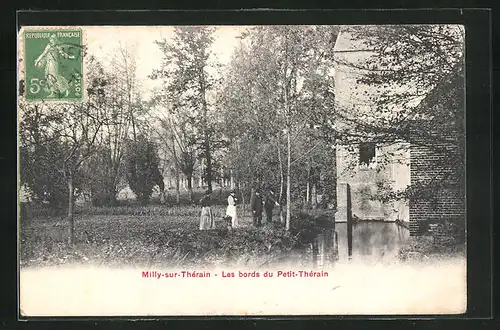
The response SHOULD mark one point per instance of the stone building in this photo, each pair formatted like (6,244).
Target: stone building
(429,160)
(368,166)
(371,168)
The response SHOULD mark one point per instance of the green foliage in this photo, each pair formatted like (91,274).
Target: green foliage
(39,174)
(142,166)
(420,55)
(103,176)
(114,93)
(187,161)
(187,86)
(307,225)
(279,82)
(422,248)
(366,195)
(42,156)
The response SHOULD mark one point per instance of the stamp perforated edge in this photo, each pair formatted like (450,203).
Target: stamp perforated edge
(21,63)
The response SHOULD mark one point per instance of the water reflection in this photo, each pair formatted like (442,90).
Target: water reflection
(324,248)
(371,240)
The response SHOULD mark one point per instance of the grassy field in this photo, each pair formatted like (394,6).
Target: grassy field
(168,235)
(151,235)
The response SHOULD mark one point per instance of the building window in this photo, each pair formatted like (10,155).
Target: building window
(366,153)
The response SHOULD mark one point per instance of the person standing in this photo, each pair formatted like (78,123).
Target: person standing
(207,220)
(231,209)
(269,204)
(257,209)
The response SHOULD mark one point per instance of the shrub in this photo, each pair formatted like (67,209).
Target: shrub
(148,210)
(142,167)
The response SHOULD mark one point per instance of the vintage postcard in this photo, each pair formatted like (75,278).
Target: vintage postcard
(241,170)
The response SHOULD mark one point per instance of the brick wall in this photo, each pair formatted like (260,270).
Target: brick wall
(437,165)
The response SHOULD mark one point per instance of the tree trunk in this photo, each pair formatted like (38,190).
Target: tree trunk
(161,185)
(288,128)
(190,187)
(177,186)
(308,194)
(231,180)
(282,181)
(208,149)
(177,173)
(242,193)
(308,189)
(314,196)
(208,168)
(71,221)
(223,179)
(288,197)
(252,196)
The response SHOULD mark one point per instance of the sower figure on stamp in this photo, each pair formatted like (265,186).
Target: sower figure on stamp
(207,220)
(231,209)
(49,62)
(257,209)
(269,204)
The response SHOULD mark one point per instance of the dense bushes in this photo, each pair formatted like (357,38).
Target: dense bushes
(142,167)
(307,225)
(301,220)
(431,247)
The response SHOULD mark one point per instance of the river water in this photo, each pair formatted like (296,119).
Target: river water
(371,241)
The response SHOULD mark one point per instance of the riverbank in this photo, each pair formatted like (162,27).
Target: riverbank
(427,247)
(152,240)
(169,236)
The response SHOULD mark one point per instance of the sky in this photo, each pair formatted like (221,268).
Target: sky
(102,40)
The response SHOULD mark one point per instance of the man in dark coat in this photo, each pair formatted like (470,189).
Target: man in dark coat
(257,209)
(269,204)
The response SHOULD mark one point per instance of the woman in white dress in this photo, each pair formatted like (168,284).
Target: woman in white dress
(231,209)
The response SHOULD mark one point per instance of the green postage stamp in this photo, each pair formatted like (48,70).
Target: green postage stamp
(53,61)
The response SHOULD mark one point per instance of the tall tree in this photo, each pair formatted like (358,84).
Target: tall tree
(77,131)
(119,90)
(267,93)
(106,165)
(177,134)
(188,83)
(81,125)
